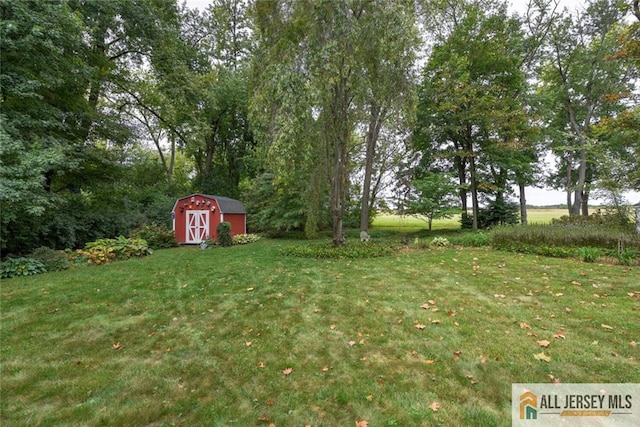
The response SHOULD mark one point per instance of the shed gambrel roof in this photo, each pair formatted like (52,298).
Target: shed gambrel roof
(226,204)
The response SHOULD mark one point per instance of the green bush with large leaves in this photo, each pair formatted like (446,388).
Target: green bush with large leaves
(14,267)
(103,251)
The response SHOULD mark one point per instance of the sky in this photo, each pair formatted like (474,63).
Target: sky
(535,196)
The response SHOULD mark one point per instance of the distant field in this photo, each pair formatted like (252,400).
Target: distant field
(411,224)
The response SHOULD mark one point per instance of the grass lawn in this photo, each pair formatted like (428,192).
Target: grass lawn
(411,224)
(244,336)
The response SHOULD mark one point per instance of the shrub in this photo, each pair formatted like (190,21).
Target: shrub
(569,236)
(51,259)
(618,219)
(224,234)
(358,250)
(105,250)
(476,239)
(589,254)
(14,267)
(440,242)
(497,213)
(243,239)
(626,256)
(158,236)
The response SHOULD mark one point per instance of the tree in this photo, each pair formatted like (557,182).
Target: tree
(470,116)
(582,85)
(388,60)
(43,105)
(325,47)
(63,63)
(435,196)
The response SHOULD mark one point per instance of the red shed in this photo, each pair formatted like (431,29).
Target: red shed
(196,217)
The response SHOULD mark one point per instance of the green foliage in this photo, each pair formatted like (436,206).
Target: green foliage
(471,239)
(274,207)
(589,254)
(51,259)
(13,267)
(626,256)
(619,219)
(103,251)
(497,213)
(158,236)
(435,196)
(560,236)
(355,250)
(243,239)
(440,242)
(564,241)
(224,234)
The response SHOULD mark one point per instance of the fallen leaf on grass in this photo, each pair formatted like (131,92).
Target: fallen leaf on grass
(435,321)
(332,327)
(362,424)
(633,344)
(499,296)
(351,343)
(287,371)
(434,406)
(248,343)
(524,325)
(432,302)
(420,326)
(425,306)
(429,361)
(559,334)
(575,282)
(603,326)
(325,369)
(542,356)
(456,354)
(369,397)
(261,364)
(117,346)
(543,343)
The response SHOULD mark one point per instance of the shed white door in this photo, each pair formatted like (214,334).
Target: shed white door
(197,226)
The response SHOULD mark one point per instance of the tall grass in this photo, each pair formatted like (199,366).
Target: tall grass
(564,236)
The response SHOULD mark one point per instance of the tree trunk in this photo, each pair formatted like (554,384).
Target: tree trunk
(172,159)
(580,185)
(523,204)
(474,191)
(375,122)
(340,135)
(462,180)
(585,203)
(569,161)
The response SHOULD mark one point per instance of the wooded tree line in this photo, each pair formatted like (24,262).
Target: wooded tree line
(316,114)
